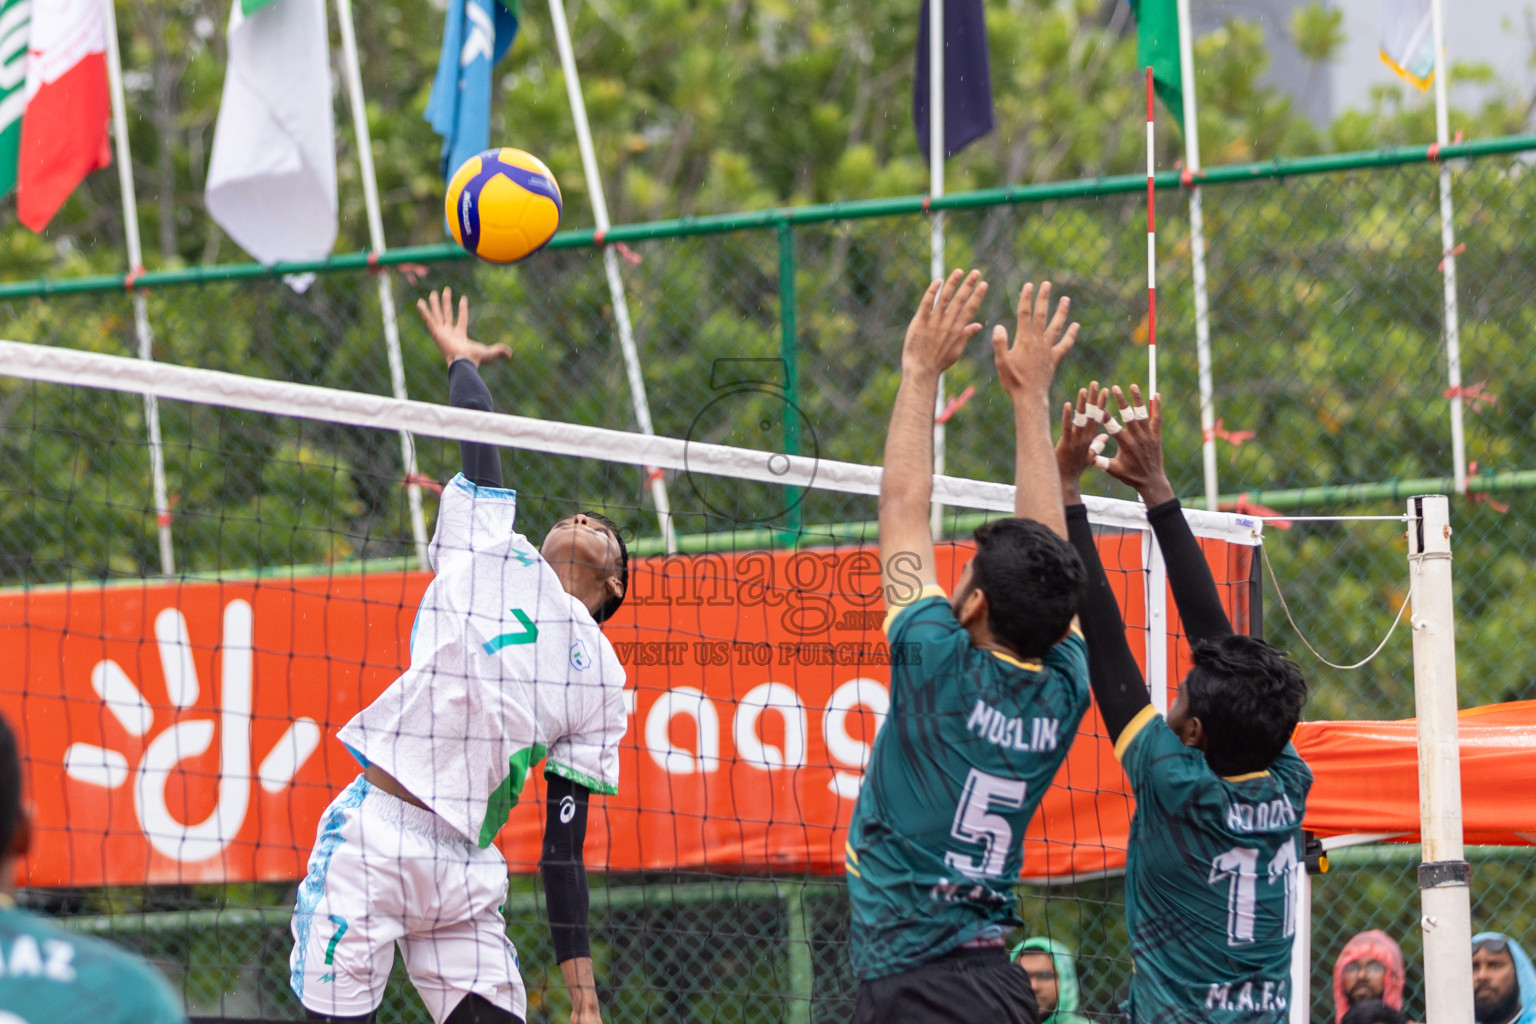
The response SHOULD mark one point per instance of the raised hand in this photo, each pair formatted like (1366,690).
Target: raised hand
(1040,342)
(451,333)
(944,323)
(1081,426)
(1139,458)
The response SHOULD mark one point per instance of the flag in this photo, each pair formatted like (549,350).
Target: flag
(967,77)
(476,35)
(64,126)
(15,27)
(272,177)
(1408,39)
(1157,46)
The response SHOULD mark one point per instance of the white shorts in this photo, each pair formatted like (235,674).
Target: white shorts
(386,873)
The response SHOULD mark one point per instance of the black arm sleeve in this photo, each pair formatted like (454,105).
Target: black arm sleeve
(1189,576)
(1117,683)
(481,462)
(565,874)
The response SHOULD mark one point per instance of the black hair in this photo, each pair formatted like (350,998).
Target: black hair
(10,786)
(611,605)
(1033,580)
(1248,696)
(1372,1011)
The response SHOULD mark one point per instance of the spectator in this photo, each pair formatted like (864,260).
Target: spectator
(1503,981)
(53,974)
(1052,970)
(1370,967)
(1372,1011)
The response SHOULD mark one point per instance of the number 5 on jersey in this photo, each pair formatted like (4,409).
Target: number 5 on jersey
(976,824)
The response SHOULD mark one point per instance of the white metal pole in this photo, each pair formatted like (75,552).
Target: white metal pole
(1448,247)
(386,288)
(936,191)
(1444,876)
(642,408)
(1197,254)
(1301,946)
(1157,621)
(141,326)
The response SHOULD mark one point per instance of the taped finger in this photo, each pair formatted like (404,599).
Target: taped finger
(1137,412)
(1113,426)
(1101,462)
(1095,413)
(1080,419)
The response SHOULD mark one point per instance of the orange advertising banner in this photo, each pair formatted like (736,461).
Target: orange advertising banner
(179,733)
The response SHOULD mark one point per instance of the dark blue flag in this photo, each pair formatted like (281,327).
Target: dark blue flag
(967,78)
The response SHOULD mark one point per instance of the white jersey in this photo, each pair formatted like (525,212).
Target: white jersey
(506,668)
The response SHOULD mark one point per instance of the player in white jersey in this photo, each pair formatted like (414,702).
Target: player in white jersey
(508,668)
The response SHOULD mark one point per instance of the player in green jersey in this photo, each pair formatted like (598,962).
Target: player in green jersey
(1215,844)
(985,699)
(48,974)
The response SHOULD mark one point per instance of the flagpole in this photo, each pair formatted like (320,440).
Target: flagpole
(1448,248)
(354,77)
(936,235)
(1197,253)
(141,326)
(642,408)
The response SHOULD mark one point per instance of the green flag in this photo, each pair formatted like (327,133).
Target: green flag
(15,29)
(1157,46)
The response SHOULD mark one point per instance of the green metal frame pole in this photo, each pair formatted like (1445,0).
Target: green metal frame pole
(802,966)
(789,351)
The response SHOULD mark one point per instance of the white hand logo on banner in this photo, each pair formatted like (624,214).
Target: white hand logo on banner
(99,766)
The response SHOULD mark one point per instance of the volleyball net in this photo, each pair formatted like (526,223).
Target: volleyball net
(179,733)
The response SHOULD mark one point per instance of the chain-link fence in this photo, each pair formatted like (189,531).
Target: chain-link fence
(1326,322)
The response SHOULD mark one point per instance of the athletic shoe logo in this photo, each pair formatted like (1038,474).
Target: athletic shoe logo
(124,700)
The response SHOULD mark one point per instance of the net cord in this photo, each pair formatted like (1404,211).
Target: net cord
(306,401)
(1287,609)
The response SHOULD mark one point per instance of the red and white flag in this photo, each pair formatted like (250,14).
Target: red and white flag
(64,127)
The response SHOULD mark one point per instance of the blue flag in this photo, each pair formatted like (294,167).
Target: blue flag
(967,77)
(476,35)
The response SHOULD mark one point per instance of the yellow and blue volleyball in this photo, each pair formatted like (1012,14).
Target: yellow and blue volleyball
(503,205)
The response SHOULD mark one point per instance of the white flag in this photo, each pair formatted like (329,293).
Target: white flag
(272,179)
(1408,39)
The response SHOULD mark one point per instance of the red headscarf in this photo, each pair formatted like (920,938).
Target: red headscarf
(1371,945)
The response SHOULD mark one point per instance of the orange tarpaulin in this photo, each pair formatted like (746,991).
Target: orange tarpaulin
(182,733)
(1368,775)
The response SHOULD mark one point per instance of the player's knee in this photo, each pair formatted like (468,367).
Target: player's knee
(477,1010)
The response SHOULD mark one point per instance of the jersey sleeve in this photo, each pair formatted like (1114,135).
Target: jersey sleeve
(589,755)
(1294,774)
(925,638)
(470,517)
(1157,763)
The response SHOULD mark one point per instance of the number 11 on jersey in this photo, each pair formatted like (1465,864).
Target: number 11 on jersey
(1239,867)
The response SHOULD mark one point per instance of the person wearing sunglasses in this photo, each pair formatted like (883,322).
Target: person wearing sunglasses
(1503,981)
(1369,967)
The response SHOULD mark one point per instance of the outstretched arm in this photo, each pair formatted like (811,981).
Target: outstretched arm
(481,462)
(935,338)
(1118,686)
(565,891)
(1139,463)
(1040,342)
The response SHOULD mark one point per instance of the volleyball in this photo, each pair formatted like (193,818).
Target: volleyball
(503,205)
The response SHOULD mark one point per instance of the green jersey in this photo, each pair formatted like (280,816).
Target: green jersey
(969,745)
(49,975)
(1210,881)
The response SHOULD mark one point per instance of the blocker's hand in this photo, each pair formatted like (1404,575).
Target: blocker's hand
(1040,342)
(1139,461)
(943,324)
(451,333)
(1079,445)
